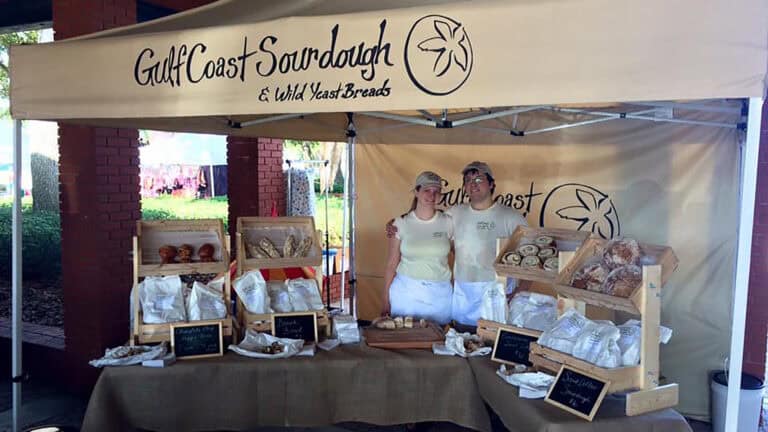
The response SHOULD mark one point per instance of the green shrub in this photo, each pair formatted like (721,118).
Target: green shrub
(41,243)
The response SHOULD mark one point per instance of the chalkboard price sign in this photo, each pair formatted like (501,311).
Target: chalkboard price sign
(512,346)
(297,325)
(577,392)
(197,340)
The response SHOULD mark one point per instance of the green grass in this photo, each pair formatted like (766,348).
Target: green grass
(186,208)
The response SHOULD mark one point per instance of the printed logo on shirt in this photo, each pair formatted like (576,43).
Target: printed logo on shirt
(439,234)
(486,226)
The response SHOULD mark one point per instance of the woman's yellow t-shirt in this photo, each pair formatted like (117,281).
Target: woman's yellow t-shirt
(424,246)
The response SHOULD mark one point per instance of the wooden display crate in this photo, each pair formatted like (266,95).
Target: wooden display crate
(487,329)
(276,229)
(263,322)
(150,235)
(156,333)
(641,381)
(565,240)
(652,255)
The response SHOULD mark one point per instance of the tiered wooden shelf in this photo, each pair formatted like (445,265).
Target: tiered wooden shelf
(150,236)
(276,229)
(652,255)
(565,240)
(640,383)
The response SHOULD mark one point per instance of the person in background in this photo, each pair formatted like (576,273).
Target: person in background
(417,279)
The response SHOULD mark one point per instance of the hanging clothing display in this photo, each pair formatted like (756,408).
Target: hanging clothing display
(302,192)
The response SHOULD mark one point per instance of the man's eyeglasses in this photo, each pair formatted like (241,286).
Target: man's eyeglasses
(476,180)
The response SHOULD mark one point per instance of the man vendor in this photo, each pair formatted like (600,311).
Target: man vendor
(476,226)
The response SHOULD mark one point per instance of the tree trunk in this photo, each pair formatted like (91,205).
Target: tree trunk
(45,183)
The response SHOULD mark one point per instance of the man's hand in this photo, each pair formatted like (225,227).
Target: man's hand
(391,229)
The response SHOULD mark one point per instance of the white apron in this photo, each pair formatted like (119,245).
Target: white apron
(430,300)
(468,298)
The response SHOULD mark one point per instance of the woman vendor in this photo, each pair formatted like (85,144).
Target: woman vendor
(417,277)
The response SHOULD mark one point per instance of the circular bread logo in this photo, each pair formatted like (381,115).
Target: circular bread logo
(438,55)
(582,207)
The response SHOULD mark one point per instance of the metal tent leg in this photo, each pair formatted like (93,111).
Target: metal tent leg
(16,276)
(747,188)
(351,134)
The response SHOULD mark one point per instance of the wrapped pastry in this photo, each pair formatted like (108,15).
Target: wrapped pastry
(167,254)
(471,346)
(531,261)
(386,323)
(275,348)
(543,241)
(623,281)
(302,250)
(408,322)
(206,252)
(422,323)
(290,246)
(269,248)
(185,253)
(512,258)
(590,277)
(399,322)
(528,250)
(552,264)
(621,252)
(547,252)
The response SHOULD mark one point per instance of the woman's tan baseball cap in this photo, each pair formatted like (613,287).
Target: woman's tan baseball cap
(428,178)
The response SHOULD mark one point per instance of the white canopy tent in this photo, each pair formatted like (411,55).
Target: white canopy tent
(346,70)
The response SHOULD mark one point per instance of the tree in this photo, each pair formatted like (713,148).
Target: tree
(6,40)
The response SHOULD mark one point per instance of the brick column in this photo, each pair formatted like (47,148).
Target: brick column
(757,302)
(99,186)
(254,178)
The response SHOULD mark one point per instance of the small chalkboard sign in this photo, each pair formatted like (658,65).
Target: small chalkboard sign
(512,346)
(197,340)
(296,325)
(577,392)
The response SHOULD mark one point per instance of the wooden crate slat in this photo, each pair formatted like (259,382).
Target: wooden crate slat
(622,378)
(487,329)
(566,240)
(155,333)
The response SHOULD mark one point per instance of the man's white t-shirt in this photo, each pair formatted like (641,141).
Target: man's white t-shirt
(475,235)
(424,246)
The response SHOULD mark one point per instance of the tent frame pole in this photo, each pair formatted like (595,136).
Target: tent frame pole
(17,373)
(351,172)
(239,125)
(747,191)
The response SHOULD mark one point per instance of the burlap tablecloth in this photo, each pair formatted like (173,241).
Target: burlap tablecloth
(528,415)
(350,383)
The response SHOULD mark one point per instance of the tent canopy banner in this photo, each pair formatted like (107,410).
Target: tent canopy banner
(484,53)
(614,179)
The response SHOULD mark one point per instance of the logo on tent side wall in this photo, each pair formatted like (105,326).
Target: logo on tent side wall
(583,207)
(438,55)
(571,206)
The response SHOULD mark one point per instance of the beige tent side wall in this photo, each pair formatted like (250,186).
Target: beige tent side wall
(668,184)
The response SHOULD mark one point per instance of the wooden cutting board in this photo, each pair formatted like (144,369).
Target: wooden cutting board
(413,338)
